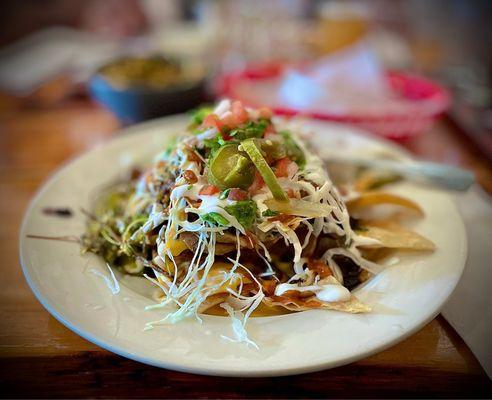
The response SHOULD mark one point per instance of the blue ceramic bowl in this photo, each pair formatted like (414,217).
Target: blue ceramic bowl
(134,104)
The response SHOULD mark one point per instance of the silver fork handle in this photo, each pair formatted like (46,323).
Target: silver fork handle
(440,174)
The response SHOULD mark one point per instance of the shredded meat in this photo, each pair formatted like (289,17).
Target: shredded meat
(268,287)
(190,176)
(311,246)
(320,267)
(191,241)
(228,237)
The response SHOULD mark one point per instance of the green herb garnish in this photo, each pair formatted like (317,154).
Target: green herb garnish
(215,219)
(224,194)
(199,114)
(269,213)
(244,211)
(250,130)
(214,144)
(294,152)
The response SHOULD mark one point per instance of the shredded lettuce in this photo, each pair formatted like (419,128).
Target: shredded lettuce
(238,327)
(111,283)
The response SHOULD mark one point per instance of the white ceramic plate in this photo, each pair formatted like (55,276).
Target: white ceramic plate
(404,297)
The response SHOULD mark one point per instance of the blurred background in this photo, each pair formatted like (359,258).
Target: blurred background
(360,62)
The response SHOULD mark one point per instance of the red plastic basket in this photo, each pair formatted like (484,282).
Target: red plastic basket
(427,101)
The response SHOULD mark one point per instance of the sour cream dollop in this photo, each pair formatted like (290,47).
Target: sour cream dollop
(328,292)
(333,293)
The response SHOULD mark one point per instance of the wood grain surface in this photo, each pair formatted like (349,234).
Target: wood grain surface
(39,357)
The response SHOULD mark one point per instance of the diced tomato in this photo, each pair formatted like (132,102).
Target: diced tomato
(257,184)
(270,132)
(239,112)
(190,176)
(237,116)
(213,121)
(291,193)
(237,195)
(283,167)
(229,120)
(209,190)
(265,112)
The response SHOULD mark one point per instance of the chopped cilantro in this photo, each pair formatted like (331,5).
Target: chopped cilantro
(224,194)
(215,219)
(199,114)
(244,211)
(250,130)
(269,213)
(214,144)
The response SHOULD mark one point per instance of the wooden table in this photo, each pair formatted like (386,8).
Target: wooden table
(39,357)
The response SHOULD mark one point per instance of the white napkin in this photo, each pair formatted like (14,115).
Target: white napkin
(469,309)
(347,80)
(350,81)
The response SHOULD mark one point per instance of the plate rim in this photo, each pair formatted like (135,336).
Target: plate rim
(51,308)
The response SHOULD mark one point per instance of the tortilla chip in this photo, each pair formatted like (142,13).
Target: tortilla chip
(369,199)
(353,306)
(212,301)
(370,180)
(300,301)
(376,254)
(394,236)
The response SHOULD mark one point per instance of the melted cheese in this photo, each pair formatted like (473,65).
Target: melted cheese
(217,272)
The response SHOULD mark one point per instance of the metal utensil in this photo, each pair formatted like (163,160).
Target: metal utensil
(439,174)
